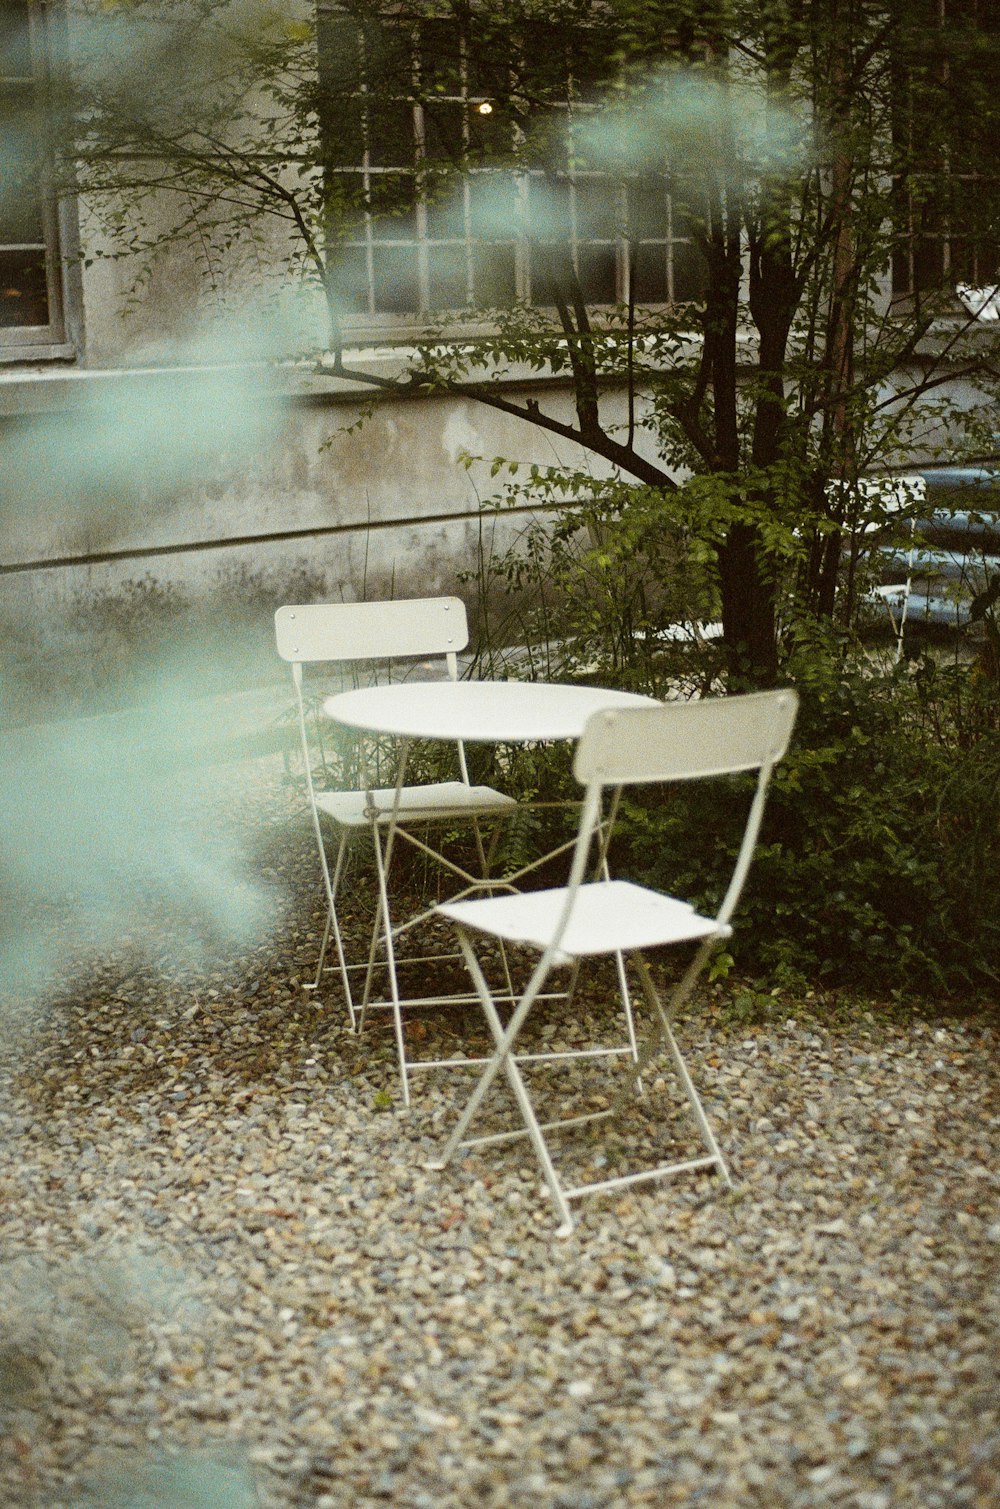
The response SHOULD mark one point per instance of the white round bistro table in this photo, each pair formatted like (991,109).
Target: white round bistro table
(488,712)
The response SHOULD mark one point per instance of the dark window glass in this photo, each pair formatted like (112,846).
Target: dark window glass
(493,276)
(417,85)
(338,55)
(21,167)
(488,61)
(598,215)
(440,58)
(945,82)
(649,273)
(551,263)
(15,43)
(447,277)
(391,201)
(647,208)
(30,263)
(590,50)
(390,133)
(395,284)
(689,271)
(443,130)
(387,54)
(343,138)
(928,261)
(24,298)
(349,279)
(495,206)
(597,269)
(544,65)
(548,210)
(490,132)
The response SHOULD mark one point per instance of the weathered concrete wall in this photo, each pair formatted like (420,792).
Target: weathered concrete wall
(133,522)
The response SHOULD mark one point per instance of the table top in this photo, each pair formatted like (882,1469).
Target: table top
(489,712)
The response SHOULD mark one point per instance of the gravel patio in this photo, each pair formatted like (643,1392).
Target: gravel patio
(226,1281)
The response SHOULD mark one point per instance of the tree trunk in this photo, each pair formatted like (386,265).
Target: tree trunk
(748,612)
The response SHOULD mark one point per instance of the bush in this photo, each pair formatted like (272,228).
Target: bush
(880,851)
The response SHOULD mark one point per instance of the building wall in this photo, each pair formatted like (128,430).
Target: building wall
(147,509)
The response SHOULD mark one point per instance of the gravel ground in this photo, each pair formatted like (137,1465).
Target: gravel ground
(226,1281)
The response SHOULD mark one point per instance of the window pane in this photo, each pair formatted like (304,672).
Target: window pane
(649,273)
(591,48)
(338,44)
(15,42)
(391,197)
(20,196)
(493,275)
(647,208)
(446,217)
(388,54)
(400,226)
(490,134)
(598,215)
(488,60)
(688,207)
(440,59)
(928,262)
(349,279)
(597,268)
(443,134)
(340,127)
(549,263)
(390,133)
(448,277)
(23,288)
(689,270)
(544,63)
(495,205)
(346,198)
(548,210)
(395,282)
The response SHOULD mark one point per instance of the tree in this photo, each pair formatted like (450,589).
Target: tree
(809,145)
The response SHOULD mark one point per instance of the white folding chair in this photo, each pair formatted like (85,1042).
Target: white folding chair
(349,635)
(627,747)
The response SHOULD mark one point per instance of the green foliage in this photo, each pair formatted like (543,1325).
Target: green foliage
(594,581)
(878,858)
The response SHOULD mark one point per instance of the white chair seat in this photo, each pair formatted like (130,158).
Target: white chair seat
(608,917)
(416,804)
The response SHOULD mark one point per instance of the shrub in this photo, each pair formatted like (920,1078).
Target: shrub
(880,850)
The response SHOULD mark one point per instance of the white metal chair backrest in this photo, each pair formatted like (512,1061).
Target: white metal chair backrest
(680,741)
(372,631)
(685,740)
(308,633)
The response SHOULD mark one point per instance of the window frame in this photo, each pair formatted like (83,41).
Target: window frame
(375,318)
(60,337)
(934,235)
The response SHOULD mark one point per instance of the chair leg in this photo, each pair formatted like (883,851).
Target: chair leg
(381,863)
(327,929)
(663,1029)
(623,987)
(331,929)
(338,938)
(504,1038)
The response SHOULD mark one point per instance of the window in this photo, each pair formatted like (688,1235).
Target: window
(417,113)
(33,230)
(947,82)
